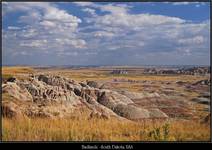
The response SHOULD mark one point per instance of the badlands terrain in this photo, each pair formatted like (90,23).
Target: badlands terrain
(106,103)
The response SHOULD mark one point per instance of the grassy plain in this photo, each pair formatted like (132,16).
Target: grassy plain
(83,129)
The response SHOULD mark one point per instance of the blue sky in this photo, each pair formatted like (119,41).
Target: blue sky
(92,33)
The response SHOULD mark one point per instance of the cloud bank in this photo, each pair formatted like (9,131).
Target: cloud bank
(104,34)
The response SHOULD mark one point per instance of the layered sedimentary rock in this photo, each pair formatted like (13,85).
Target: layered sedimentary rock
(54,96)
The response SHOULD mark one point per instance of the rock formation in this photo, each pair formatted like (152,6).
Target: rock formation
(54,96)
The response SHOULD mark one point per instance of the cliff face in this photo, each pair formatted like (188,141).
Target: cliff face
(54,96)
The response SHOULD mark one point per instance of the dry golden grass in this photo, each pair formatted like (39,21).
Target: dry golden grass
(16,70)
(98,75)
(8,72)
(82,129)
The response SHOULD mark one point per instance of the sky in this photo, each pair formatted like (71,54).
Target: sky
(103,33)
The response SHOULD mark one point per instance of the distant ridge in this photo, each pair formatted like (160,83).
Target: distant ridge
(106,66)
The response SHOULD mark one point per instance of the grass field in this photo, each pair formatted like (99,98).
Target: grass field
(95,74)
(16,70)
(82,129)
(102,130)
(8,72)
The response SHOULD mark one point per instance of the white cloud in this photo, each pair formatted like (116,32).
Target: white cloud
(194,40)
(55,14)
(72,42)
(114,9)
(120,17)
(181,3)
(34,43)
(44,22)
(89,10)
(103,34)
(117,32)
(84,3)
(28,33)
(197,4)
(142,34)
(13,28)
(48,23)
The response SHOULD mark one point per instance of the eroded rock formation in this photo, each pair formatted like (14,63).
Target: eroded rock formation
(54,96)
